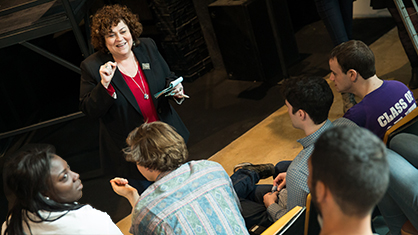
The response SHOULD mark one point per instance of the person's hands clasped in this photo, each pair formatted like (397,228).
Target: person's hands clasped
(280,181)
(270,198)
(106,72)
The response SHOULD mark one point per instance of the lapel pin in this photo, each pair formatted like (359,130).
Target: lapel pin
(145,66)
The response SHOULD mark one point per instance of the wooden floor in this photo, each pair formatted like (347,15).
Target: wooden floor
(274,139)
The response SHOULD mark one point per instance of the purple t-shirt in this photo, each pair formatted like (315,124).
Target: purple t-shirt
(382,108)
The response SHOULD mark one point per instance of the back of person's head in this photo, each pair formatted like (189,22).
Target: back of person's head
(355,55)
(109,16)
(28,178)
(156,146)
(311,94)
(352,163)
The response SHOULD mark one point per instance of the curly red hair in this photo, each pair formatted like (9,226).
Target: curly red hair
(109,16)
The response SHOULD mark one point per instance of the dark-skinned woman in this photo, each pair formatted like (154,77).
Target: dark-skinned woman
(45,194)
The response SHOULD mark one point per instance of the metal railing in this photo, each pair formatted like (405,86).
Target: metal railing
(406,18)
(41,125)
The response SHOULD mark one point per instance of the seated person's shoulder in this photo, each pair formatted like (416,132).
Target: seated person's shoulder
(209,168)
(357,114)
(395,83)
(344,122)
(87,212)
(147,42)
(205,166)
(208,163)
(394,87)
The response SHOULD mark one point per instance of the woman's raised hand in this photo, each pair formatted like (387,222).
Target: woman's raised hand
(107,71)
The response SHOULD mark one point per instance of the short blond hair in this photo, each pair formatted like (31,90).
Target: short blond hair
(156,146)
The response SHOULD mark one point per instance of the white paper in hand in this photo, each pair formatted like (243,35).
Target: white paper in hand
(169,88)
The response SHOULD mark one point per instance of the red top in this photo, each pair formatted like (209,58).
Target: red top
(145,105)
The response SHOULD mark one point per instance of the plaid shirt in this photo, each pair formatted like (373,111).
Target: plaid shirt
(297,189)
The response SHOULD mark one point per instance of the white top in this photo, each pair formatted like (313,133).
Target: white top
(85,220)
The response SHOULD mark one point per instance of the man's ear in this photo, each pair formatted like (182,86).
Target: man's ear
(302,114)
(320,191)
(353,74)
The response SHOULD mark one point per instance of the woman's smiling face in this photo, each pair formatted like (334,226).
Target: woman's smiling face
(119,40)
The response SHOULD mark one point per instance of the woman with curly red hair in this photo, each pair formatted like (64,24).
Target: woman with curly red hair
(118,84)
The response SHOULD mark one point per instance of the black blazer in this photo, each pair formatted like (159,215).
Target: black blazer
(120,116)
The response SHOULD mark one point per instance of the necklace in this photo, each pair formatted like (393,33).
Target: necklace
(146,96)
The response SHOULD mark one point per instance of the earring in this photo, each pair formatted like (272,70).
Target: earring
(134,44)
(47,198)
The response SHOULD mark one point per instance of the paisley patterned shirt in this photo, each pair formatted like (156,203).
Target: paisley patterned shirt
(196,198)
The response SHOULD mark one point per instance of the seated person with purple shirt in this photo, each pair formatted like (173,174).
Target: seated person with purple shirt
(383,103)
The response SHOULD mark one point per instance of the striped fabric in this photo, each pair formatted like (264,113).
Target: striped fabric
(196,198)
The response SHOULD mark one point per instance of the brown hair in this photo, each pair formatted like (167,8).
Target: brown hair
(156,146)
(356,55)
(109,16)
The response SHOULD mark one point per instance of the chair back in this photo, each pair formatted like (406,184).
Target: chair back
(408,124)
(408,229)
(297,221)
(311,220)
(290,223)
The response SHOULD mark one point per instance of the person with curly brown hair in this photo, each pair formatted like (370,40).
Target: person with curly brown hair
(118,84)
(195,197)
